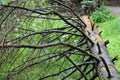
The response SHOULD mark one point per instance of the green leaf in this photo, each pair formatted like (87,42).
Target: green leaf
(4,1)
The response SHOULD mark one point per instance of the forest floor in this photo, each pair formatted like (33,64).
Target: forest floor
(114,10)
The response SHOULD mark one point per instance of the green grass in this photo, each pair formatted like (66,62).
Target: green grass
(111,32)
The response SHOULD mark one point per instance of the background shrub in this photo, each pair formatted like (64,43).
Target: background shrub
(102,14)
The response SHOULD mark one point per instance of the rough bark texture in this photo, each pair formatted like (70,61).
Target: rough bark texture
(105,68)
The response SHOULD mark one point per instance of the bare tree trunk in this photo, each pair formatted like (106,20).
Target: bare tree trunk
(105,68)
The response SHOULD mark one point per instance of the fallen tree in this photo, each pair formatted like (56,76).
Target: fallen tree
(71,50)
(105,68)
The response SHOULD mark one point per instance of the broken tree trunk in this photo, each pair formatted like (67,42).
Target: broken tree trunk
(105,68)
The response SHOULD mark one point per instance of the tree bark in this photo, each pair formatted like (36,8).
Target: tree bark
(105,68)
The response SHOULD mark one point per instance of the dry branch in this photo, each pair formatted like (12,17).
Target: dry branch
(75,48)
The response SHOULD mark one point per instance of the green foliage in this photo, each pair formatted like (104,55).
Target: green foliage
(102,15)
(4,1)
(21,55)
(86,3)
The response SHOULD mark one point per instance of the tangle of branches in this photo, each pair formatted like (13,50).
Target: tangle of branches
(43,40)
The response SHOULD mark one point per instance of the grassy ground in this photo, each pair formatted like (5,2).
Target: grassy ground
(111,32)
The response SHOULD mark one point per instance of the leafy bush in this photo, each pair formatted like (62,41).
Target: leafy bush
(86,3)
(102,14)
